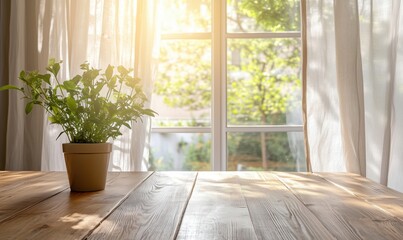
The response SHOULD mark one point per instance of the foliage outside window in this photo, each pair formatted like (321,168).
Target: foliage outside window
(262,83)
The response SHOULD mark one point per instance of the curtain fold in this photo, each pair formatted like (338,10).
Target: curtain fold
(100,32)
(382,50)
(24,133)
(131,150)
(349,84)
(322,100)
(354,87)
(146,52)
(396,153)
(5,7)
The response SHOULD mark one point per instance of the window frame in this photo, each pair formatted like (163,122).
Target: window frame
(219,127)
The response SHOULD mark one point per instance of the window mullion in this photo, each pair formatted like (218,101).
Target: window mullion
(176,36)
(181,130)
(296,34)
(268,128)
(217,106)
(223,82)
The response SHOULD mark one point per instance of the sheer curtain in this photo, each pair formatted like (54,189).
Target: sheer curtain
(101,32)
(353,88)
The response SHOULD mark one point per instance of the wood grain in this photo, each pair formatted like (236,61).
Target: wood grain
(70,215)
(217,209)
(343,214)
(14,177)
(275,212)
(153,211)
(21,190)
(380,196)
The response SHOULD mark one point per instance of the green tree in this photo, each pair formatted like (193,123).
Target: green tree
(198,154)
(185,74)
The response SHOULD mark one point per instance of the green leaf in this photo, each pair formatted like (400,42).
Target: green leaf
(71,103)
(76,79)
(28,107)
(53,66)
(53,119)
(150,112)
(54,110)
(97,105)
(69,85)
(97,89)
(85,66)
(51,61)
(45,77)
(56,68)
(122,70)
(7,87)
(22,75)
(111,84)
(80,109)
(94,73)
(109,72)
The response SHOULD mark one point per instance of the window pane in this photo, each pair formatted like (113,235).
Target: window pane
(263,81)
(182,92)
(279,151)
(180,151)
(263,15)
(185,16)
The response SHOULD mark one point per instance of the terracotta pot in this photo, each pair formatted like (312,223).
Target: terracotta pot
(87,165)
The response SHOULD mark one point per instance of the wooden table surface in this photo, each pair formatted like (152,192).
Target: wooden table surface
(200,205)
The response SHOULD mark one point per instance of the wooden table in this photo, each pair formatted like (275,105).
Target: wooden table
(200,205)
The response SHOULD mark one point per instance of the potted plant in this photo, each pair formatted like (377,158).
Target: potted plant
(90,108)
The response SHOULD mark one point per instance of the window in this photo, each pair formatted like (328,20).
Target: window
(228,91)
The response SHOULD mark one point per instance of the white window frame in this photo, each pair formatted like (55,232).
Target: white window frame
(219,127)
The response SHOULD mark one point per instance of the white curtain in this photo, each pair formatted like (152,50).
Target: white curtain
(354,86)
(102,32)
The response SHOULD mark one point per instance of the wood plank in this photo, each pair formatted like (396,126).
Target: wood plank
(275,212)
(15,177)
(385,198)
(71,215)
(21,190)
(153,211)
(217,209)
(344,215)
